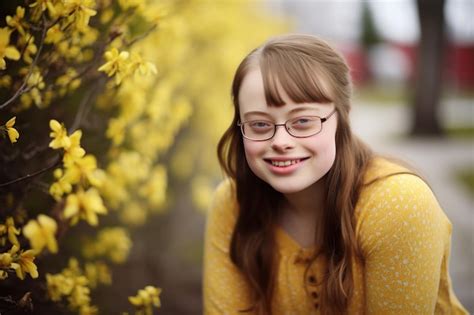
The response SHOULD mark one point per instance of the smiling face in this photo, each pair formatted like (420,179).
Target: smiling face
(286,163)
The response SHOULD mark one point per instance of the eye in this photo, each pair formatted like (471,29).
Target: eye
(301,121)
(260,124)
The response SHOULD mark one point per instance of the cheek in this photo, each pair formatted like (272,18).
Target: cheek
(324,149)
(252,150)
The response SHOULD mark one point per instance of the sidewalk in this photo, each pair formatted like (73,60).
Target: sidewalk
(438,160)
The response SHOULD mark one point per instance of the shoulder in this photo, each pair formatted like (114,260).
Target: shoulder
(386,181)
(224,195)
(398,203)
(223,211)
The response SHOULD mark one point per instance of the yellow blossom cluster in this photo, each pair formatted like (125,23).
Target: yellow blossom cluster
(41,233)
(9,231)
(73,285)
(146,299)
(113,243)
(124,64)
(66,28)
(97,273)
(6,50)
(15,259)
(80,170)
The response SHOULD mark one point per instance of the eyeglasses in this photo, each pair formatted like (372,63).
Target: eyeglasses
(298,127)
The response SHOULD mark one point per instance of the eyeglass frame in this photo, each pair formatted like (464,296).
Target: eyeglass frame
(323,119)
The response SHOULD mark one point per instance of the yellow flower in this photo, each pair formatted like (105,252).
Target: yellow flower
(10,229)
(12,132)
(5,81)
(6,51)
(117,64)
(54,35)
(82,11)
(80,295)
(68,82)
(23,263)
(97,273)
(84,205)
(41,233)
(59,188)
(59,133)
(74,151)
(58,285)
(88,310)
(27,42)
(116,130)
(5,260)
(143,67)
(83,168)
(155,187)
(5,264)
(147,298)
(16,21)
(113,243)
(133,214)
(127,4)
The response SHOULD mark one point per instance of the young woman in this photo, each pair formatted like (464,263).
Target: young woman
(310,221)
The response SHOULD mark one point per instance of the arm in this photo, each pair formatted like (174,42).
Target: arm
(403,234)
(225,290)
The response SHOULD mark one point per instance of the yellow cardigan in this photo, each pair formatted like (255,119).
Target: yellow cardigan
(404,235)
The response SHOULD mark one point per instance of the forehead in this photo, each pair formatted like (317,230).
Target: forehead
(252,99)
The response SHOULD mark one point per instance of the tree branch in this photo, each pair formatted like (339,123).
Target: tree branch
(141,36)
(39,172)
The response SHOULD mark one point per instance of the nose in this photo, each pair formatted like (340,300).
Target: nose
(282,140)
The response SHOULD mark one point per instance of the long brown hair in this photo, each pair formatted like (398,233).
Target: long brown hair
(308,70)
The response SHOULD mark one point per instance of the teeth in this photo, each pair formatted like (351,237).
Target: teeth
(284,163)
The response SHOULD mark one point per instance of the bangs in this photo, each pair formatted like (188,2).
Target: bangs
(294,72)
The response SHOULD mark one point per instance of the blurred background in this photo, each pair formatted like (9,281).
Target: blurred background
(412,64)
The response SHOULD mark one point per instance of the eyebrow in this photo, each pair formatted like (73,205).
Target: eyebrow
(294,110)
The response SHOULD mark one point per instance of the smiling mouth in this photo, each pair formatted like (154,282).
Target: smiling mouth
(284,163)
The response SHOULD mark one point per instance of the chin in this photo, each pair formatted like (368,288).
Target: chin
(289,188)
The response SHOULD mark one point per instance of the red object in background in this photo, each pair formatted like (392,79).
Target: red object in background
(460,65)
(357,61)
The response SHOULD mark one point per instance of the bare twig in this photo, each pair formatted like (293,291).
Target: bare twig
(39,172)
(81,110)
(141,36)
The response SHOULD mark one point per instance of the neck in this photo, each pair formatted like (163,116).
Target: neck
(303,204)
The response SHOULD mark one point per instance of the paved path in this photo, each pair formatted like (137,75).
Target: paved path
(437,160)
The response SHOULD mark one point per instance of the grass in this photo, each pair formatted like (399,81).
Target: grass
(466,177)
(463,132)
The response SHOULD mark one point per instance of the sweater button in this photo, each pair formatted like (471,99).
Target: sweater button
(312,279)
(316,305)
(314,294)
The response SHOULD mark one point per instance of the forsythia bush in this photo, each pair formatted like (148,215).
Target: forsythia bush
(93,97)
